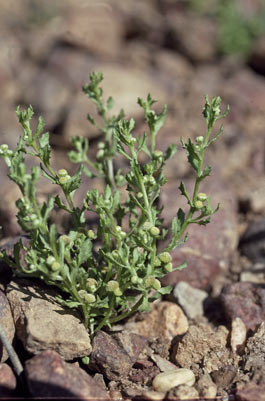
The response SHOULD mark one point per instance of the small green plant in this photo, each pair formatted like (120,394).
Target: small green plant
(236,31)
(120,275)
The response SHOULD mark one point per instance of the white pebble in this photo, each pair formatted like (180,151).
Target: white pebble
(167,380)
(238,335)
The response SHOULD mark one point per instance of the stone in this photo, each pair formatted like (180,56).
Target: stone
(205,387)
(252,242)
(41,323)
(7,323)
(254,355)
(49,376)
(165,381)
(203,345)
(246,301)
(165,321)
(190,299)
(251,392)
(108,358)
(197,44)
(224,376)
(182,392)
(132,343)
(238,335)
(8,381)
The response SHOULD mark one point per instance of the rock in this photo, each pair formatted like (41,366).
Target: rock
(153,395)
(193,36)
(190,299)
(254,356)
(48,84)
(165,381)
(48,375)
(6,320)
(205,387)
(257,56)
(109,358)
(94,27)
(238,335)
(143,372)
(132,343)
(244,300)
(163,364)
(41,323)
(8,381)
(252,242)
(202,345)
(182,392)
(251,392)
(224,376)
(165,321)
(204,262)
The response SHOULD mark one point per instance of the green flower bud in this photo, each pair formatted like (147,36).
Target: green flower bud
(152,282)
(91,284)
(4,147)
(152,180)
(55,266)
(154,231)
(62,172)
(157,154)
(165,257)
(63,180)
(89,298)
(100,154)
(168,267)
(139,195)
(147,225)
(202,197)
(134,279)
(112,285)
(82,293)
(157,262)
(65,239)
(199,139)
(118,228)
(101,145)
(91,234)
(50,260)
(198,204)
(117,292)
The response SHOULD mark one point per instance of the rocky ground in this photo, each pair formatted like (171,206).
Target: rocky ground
(207,339)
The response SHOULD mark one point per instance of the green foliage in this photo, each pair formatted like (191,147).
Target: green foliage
(236,30)
(114,271)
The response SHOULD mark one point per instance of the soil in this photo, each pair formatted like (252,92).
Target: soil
(212,324)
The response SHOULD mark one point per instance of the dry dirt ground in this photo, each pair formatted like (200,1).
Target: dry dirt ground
(212,324)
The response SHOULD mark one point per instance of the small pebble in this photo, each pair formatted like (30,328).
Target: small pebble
(238,335)
(167,380)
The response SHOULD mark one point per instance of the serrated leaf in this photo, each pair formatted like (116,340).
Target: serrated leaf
(85,251)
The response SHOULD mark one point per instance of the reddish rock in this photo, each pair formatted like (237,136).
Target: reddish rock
(244,300)
(132,343)
(49,376)
(108,357)
(8,381)
(251,392)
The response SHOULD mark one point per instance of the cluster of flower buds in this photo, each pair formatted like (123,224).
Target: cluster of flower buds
(201,198)
(113,286)
(152,282)
(153,230)
(165,259)
(64,177)
(88,298)
(54,265)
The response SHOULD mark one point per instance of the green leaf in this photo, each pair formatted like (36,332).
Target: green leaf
(165,290)
(85,251)
(171,150)
(184,192)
